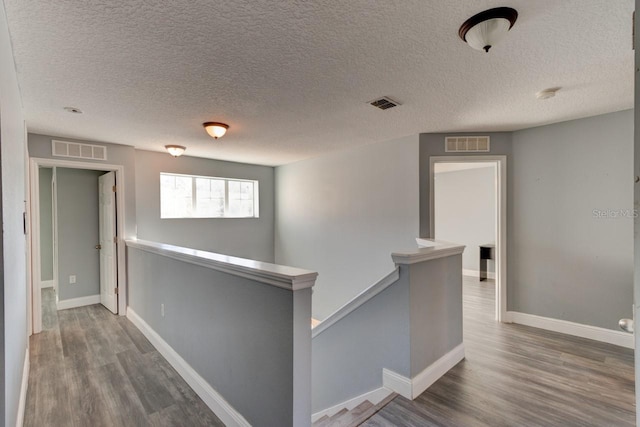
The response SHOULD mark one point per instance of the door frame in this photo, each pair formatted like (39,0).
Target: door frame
(501,214)
(35,164)
(54,218)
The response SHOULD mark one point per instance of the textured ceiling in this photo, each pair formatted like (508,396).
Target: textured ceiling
(292,78)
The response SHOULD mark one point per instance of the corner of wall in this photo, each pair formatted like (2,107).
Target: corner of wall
(13,268)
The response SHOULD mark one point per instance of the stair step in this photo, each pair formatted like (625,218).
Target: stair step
(338,414)
(371,411)
(330,421)
(386,400)
(351,418)
(362,408)
(354,417)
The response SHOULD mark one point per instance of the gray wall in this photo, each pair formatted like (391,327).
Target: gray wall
(566,259)
(244,237)
(46,224)
(569,257)
(252,368)
(78,232)
(13,296)
(405,328)
(349,356)
(436,309)
(343,214)
(120,155)
(636,200)
(432,144)
(465,211)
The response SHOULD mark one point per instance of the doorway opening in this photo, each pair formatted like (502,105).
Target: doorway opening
(468,206)
(76,224)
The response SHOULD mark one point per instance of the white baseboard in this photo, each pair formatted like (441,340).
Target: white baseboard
(476,273)
(433,372)
(412,388)
(375,396)
(22,402)
(78,302)
(46,284)
(610,336)
(223,410)
(398,383)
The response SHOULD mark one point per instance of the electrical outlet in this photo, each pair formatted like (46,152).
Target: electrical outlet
(72,279)
(162,310)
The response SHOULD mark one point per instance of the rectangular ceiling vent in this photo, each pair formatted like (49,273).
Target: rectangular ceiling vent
(467,144)
(78,151)
(384,103)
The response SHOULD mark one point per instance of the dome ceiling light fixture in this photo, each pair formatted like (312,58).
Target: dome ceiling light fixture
(215,129)
(485,29)
(175,150)
(547,93)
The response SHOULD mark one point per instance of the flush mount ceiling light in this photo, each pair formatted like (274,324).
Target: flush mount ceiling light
(215,129)
(547,93)
(485,29)
(175,150)
(73,110)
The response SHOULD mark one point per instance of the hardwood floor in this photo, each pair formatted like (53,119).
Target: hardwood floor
(515,375)
(92,368)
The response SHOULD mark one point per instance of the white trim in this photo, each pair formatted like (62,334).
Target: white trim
(476,273)
(596,333)
(29,266)
(375,396)
(397,383)
(22,402)
(34,164)
(427,253)
(78,302)
(501,220)
(46,284)
(290,278)
(34,206)
(412,388)
(223,410)
(508,317)
(356,302)
(54,225)
(433,372)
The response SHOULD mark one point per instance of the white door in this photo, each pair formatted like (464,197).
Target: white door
(108,259)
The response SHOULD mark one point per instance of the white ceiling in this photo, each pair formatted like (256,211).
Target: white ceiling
(292,78)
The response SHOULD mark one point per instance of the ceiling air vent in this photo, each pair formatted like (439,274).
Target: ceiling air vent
(78,151)
(466,144)
(384,103)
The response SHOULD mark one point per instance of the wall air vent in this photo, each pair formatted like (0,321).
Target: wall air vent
(78,151)
(384,103)
(467,144)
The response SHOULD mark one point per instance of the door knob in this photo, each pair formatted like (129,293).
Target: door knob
(98,246)
(626,325)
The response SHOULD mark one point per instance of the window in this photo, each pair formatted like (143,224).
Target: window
(189,196)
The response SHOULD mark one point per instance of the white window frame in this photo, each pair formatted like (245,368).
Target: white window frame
(256,199)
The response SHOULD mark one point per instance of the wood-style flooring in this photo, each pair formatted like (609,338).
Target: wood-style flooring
(515,375)
(92,368)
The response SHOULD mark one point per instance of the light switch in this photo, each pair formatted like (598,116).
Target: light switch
(72,279)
